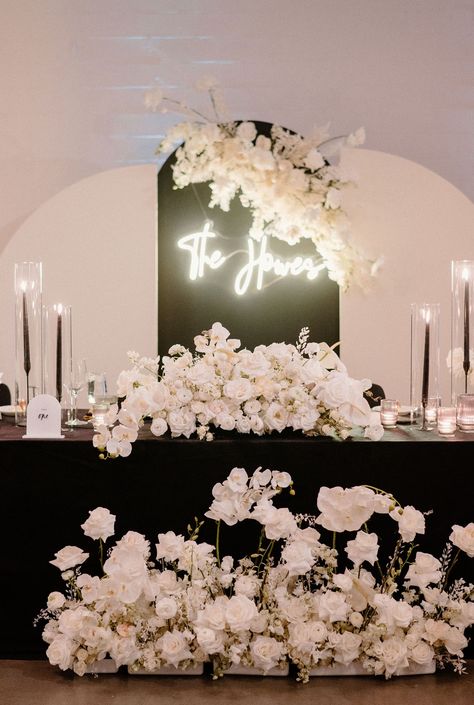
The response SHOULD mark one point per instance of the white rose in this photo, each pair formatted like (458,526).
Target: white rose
(210,641)
(100,524)
(166,607)
(200,373)
(247,585)
(173,647)
(252,406)
(239,389)
(276,417)
(89,587)
(455,641)
(425,570)
(394,654)
(225,421)
(239,612)
(463,538)
(71,621)
(182,423)
(298,557)
(347,648)
(68,557)
(60,652)
(421,653)
(410,522)
(266,652)
(170,546)
(364,547)
(50,631)
(213,615)
(124,650)
(333,606)
(167,582)
(55,600)
(158,427)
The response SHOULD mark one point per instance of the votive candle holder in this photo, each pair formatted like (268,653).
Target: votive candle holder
(447,420)
(465,412)
(389,412)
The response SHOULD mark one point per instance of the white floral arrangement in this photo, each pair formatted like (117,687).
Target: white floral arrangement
(286,181)
(303,387)
(295,597)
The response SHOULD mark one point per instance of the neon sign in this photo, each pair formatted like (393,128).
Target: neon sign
(259,261)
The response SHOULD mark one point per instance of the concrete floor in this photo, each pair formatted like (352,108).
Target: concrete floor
(38,683)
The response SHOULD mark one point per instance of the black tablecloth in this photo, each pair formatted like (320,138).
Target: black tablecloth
(48,487)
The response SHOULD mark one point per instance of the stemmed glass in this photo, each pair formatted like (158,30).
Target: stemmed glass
(77,380)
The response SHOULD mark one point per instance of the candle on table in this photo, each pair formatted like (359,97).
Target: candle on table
(59,354)
(389,412)
(465,412)
(426,361)
(446,420)
(466,364)
(26,341)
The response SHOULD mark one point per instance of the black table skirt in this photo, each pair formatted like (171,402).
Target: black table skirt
(48,487)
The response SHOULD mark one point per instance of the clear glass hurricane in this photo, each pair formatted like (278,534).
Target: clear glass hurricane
(76,381)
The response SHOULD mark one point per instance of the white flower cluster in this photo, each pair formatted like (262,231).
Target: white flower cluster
(274,387)
(294,597)
(285,180)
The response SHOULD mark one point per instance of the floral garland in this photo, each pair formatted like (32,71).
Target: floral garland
(303,387)
(286,181)
(187,605)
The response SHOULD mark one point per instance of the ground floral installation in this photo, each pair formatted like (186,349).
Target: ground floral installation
(296,597)
(303,387)
(287,182)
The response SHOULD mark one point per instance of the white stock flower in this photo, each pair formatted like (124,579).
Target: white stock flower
(364,547)
(100,524)
(68,557)
(463,538)
(182,423)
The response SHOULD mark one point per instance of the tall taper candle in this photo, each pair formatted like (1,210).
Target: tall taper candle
(426,361)
(466,363)
(59,355)
(26,345)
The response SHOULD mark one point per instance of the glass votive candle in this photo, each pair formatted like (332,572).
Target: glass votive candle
(389,412)
(431,410)
(99,412)
(446,420)
(465,412)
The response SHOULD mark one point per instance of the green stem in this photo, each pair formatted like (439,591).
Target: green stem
(101,554)
(334,539)
(218,537)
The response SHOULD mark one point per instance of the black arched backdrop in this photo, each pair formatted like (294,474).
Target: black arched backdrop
(196,286)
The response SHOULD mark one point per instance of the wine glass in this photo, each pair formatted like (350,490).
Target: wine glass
(76,381)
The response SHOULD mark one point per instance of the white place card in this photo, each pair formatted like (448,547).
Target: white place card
(43,417)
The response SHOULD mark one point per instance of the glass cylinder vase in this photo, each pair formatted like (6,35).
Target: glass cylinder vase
(57,342)
(28,336)
(424,367)
(461,354)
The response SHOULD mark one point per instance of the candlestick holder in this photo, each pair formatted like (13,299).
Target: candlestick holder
(57,346)
(461,354)
(28,336)
(424,365)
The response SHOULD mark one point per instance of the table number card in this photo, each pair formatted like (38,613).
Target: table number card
(43,417)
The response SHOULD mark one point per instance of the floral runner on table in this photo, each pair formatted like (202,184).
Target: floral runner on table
(297,596)
(303,387)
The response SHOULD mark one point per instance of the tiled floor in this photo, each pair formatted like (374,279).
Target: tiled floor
(38,683)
